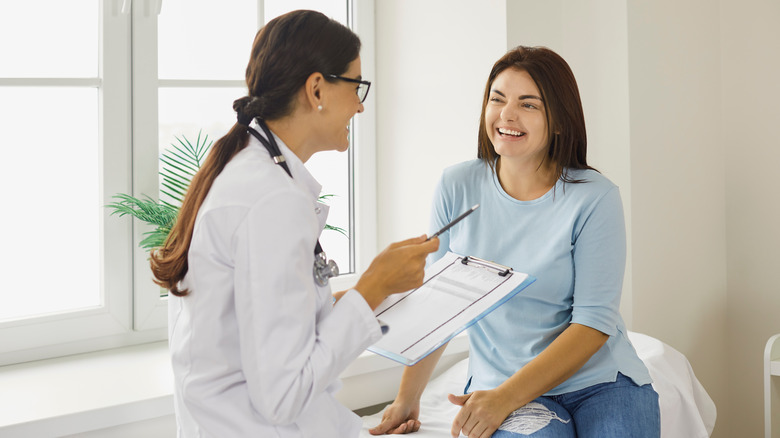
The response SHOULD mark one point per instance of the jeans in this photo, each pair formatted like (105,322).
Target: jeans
(619,409)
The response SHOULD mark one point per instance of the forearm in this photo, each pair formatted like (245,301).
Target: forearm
(416,377)
(559,361)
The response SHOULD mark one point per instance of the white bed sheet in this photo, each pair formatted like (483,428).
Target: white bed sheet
(687,411)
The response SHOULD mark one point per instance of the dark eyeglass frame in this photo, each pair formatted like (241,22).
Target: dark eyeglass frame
(355,81)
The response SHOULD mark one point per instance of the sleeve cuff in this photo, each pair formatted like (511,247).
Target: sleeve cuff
(361,308)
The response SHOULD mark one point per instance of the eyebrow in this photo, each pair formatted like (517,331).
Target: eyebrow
(523,97)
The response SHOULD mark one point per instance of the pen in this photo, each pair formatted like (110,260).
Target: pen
(455,221)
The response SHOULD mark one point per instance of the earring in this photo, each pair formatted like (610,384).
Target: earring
(319,107)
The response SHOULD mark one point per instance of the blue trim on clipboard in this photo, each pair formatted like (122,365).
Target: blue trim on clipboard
(404,361)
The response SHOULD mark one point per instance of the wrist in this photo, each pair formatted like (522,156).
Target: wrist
(509,400)
(369,293)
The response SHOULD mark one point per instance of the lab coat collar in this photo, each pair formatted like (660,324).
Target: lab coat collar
(299,171)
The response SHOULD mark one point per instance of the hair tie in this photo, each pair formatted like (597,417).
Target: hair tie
(243,119)
(245,107)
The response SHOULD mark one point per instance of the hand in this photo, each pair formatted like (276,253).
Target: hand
(337,295)
(398,418)
(481,415)
(399,268)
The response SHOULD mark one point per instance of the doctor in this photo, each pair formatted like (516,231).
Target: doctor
(256,338)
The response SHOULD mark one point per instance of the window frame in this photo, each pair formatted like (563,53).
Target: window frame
(132,310)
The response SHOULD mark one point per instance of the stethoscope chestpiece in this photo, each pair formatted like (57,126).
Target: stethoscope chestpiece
(324,269)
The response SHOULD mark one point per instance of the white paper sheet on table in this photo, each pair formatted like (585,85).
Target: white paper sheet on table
(454,295)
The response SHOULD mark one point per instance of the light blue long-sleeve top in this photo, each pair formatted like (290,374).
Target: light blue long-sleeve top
(573,240)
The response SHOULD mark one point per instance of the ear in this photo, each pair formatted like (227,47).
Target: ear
(313,90)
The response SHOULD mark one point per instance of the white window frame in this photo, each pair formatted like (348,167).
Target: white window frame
(132,310)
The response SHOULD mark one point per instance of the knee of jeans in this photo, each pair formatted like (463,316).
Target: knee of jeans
(535,417)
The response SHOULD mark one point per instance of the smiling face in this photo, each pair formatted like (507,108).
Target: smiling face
(515,119)
(338,109)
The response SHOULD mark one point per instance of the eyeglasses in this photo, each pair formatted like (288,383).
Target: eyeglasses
(362,89)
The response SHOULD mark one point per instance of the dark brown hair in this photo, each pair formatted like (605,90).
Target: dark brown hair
(563,108)
(286,51)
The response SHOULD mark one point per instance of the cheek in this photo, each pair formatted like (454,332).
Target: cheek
(490,120)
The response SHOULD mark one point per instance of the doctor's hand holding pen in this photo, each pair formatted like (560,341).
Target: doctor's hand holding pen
(399,268)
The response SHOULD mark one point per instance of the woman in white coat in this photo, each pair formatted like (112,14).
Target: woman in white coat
(257,340)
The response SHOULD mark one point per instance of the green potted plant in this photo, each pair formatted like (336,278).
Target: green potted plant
(179,166)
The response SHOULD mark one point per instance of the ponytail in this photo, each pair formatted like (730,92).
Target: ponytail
(169,263)
(285,52)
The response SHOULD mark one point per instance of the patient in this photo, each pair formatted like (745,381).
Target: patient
(554,361)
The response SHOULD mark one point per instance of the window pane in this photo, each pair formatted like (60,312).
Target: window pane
(331,170)
(204,39)
(49,38)
(50,187)
(185,112)
(336,9)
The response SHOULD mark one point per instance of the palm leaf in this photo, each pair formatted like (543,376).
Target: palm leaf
(155,238)
(339,229)
(145,209)
(180,163)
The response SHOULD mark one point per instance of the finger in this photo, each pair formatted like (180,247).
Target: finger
(413,240)
(479,429)
(381,428)
(458,422)
(459,400)
(403,428)
(471,426)
(487,433)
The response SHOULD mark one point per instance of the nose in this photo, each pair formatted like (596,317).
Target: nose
(361,108)
(509,113)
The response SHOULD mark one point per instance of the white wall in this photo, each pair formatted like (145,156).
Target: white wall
(433,58)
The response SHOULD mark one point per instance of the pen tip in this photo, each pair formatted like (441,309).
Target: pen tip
(475,207)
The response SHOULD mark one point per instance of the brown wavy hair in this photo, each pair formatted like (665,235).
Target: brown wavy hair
(285,52)
(563,108)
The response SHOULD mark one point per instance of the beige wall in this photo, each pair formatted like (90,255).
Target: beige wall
(678,185)
(750,62)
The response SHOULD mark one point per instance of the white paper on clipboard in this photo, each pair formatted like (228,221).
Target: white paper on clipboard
(453,296)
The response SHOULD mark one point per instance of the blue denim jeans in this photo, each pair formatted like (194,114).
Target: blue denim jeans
(619,409)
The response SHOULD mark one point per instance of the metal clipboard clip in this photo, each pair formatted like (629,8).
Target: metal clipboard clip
(503,271)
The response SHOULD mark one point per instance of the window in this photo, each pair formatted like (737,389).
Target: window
(87,110)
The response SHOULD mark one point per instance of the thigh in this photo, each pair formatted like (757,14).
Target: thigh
(617,410)
(542,418)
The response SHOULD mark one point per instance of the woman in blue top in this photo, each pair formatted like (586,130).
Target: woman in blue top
(554,361)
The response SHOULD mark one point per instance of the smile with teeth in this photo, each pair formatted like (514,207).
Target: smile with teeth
(504,131)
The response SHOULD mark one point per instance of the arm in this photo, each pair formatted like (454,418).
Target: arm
(289,357)
(599,258)
(484,411)
(402,416)
(399,268)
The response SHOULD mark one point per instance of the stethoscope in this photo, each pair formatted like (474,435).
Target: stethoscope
(323,269)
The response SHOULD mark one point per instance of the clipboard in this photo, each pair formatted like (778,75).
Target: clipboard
(457,292)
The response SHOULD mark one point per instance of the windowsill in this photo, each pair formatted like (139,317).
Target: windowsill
(92,391)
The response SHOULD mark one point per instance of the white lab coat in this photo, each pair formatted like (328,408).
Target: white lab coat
(257,346)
